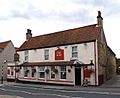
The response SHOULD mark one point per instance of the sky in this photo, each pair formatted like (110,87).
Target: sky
(48,16)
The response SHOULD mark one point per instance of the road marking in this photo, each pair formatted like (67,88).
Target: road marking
(90,92)
(30,93)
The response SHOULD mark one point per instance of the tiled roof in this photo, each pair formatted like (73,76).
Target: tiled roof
(4,44)
(71,36)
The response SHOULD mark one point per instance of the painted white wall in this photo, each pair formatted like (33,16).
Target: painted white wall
(85,53)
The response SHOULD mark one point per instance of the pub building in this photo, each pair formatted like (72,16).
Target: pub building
(76,56)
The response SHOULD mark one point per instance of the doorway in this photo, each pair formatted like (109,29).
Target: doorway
(77,75)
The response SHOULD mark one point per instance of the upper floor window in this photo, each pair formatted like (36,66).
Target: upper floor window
(74,52)
(26,55)
(46,54)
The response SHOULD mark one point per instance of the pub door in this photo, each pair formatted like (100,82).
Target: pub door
(77,75)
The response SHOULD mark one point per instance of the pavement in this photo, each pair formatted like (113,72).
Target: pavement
(7,96)
(112,83)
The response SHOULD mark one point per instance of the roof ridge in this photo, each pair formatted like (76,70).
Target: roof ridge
(5,41)
(3,44)
(71,36)
(64,30)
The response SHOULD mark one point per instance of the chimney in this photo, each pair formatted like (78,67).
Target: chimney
(28,34)
(99,20)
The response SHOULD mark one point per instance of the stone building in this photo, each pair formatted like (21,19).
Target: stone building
(7,51)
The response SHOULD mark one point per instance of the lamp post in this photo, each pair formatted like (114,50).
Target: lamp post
(2,75)
(2,71)
(16,59)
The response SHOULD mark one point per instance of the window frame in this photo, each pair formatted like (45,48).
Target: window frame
(26,55)
(63,71)
(25,73)
(42,71)
(32,73)
(46,54)
(74,51)
(52,72)
(12,71)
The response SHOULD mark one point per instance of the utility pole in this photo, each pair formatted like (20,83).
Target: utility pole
(5,61)
(16,59)
(2,75)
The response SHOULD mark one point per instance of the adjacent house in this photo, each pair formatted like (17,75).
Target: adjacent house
(69,57)
(7,51)
(118,66)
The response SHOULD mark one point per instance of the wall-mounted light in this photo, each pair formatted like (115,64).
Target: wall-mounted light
(58,47)
(85,44)
(91,63)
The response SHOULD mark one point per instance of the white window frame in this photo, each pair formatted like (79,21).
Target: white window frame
(74,51)
(25,73)
(63,72)
(26,55)
(46,54)
(52,72)
(42,70)
(32,73)
(12,71)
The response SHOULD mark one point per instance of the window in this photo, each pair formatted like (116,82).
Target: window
(46,54)
(12,71)
(42,71)
(63,72)
(26,72)
(33,71)
(52,72)
(26,55)
(74,52)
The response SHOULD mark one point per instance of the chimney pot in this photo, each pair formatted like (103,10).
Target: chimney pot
(99,19)
(28,34)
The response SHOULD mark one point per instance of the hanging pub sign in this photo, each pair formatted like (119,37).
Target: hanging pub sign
(59,54)
(16,57)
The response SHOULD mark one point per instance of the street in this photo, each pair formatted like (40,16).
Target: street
(28,91)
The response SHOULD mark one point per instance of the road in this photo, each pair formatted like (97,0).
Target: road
(37,92)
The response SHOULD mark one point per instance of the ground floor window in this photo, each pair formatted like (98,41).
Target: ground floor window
(42,71)
(63,72)
(52,72)
(26,72)
(12,71)
(33,71)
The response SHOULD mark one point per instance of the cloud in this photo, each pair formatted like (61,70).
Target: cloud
(44,16)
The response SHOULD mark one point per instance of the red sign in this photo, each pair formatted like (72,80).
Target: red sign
(86,73)
(59,54)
